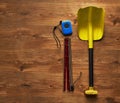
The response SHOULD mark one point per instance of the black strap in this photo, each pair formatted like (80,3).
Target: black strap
(55,36)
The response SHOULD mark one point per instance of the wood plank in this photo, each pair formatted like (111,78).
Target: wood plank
(31,66)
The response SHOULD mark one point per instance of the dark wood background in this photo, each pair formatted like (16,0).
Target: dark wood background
(31,66)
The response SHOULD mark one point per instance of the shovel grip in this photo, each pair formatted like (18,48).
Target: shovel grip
(91,81)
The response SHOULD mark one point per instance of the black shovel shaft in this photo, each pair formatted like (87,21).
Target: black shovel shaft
(91,81)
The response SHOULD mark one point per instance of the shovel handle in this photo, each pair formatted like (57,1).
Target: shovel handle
(91,80)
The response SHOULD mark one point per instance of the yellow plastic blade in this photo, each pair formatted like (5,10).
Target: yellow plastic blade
(90,23)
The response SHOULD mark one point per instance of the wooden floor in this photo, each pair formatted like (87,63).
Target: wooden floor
(31,66)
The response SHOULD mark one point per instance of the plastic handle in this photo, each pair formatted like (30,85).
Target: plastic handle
(91,82)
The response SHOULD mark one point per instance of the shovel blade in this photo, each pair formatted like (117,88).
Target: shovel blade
(90,16)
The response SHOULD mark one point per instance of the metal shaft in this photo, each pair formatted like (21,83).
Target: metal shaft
(66,65)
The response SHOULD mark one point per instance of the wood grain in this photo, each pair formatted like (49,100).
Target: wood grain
(31,66)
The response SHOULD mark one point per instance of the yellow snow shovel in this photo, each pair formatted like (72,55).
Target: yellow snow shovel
(90,28)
